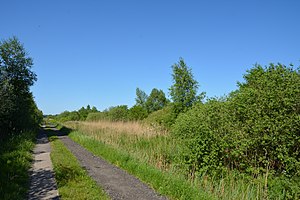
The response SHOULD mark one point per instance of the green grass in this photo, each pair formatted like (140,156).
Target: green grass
(73,182)
(166,183)
(15,161)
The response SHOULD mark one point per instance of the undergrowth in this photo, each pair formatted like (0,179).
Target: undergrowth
(15,161)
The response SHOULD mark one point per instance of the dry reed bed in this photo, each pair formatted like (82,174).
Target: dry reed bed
(130,128)
(148,144)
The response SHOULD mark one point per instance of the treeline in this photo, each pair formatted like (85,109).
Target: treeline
(18,111)
(77,115)
(144,106)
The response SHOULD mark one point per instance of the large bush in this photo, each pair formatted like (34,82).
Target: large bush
(204,132)
(267,107)
(256,129)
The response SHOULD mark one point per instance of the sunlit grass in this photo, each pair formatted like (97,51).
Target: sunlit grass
(159,150)
(73,182)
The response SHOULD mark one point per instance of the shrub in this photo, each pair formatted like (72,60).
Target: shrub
(137,113)
(202,131)
(267,107)
(256,129)
(164,117)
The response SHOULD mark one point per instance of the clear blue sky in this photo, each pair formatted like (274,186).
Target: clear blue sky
(98,52)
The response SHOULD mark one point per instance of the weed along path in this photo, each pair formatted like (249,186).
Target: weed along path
(117,183)
(42,181)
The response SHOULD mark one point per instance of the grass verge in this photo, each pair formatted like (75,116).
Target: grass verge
(15,161)
(73,182)
(166,183)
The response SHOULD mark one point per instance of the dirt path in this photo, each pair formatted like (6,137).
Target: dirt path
(116,182)
(42,181)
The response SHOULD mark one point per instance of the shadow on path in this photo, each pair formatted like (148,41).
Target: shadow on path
(42,180)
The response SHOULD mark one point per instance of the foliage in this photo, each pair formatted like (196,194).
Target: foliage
(156,100)
(184,88)
(15,161)
(79,115)
(141,98)
(267,108)
(164,117)
(116,113)
(18,110)
(137,112)
(255,130)
(73,181)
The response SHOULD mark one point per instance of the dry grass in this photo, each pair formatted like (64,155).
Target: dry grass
(130,128)
(145,143)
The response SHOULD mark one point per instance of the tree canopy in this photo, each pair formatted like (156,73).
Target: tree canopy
(17,107)
(184,89)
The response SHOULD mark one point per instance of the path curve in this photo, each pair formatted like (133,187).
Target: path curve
(116,182)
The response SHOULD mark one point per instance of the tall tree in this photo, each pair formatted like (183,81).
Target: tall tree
(18,109)
(184,89)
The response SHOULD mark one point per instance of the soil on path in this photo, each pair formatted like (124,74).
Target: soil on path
(42,181)
(117,183)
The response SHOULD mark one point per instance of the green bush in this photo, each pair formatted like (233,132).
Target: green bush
(204,132)
(164,117)
(267,107)
(137,113)
(117,113)
(255,130)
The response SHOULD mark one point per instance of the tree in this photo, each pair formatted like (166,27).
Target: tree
(94,109)
(156,100)
(141,98)
(18,110)
(184,88)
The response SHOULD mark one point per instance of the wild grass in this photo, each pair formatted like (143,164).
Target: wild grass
(15,161)
(147,144)
(73,182)
(166,183)
(128,127)
(144,151)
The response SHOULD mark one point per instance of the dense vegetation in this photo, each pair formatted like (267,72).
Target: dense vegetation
(15,161)
(76,115)
(254,132)
(18,111)
(19,118)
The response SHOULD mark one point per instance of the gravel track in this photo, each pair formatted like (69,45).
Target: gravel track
(116,182)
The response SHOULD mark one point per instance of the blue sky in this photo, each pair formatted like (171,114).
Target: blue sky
(99,52)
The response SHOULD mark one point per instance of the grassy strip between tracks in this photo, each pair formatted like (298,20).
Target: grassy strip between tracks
(73,181)
(165,183)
